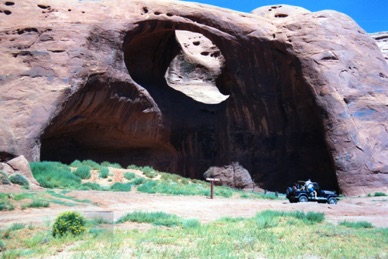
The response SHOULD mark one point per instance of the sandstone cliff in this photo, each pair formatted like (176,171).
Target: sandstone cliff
(284,92)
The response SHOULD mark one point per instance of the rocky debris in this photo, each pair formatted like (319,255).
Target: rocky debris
(305,93)
(233,175)
(381,39)
(19,165)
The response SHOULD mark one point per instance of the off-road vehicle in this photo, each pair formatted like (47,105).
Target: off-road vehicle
(299,193)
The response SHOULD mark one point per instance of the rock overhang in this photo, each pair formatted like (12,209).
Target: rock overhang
(167,127)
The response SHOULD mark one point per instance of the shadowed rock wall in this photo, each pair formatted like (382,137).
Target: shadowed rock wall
(307,92)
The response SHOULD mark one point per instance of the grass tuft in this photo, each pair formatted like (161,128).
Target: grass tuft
(358,224)
(121,187)
(83,172)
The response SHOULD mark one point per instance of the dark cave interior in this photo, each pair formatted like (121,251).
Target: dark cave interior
(270,124)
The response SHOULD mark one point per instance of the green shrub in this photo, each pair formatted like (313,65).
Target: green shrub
(6,205)
(19,180)
(103,173)
(129,175)
(156,218)
(377,194)
(191,223)
(135,167)
(138,181)
(37,204)
(76,163)
(83,172)
(69,223)
(91,164)
(358,224)
(149,172)
(4,178)
(121,187)
(54,175)
(113,165)
(91,186)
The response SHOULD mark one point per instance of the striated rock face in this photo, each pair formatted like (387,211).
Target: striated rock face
(381,39)
(286,93)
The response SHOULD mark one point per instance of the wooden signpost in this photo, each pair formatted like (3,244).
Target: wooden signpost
(212,180)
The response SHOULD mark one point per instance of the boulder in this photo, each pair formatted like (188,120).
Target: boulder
(292,94)
(233,175)
(21,165)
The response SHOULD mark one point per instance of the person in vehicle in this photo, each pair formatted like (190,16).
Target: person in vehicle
(310,187)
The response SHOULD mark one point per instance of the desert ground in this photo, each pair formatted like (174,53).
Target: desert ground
(117,204)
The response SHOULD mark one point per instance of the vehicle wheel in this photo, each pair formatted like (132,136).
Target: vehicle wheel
(303,199)
(332,200)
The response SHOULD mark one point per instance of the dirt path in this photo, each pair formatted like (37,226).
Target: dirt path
(371,209)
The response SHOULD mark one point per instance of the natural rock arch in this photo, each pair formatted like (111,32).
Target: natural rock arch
(300,104)
(277,135)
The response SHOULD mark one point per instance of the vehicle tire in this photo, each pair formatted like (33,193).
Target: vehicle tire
(332,200)
(303,199)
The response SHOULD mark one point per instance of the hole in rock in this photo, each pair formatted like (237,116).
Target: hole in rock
(43,6)
(7,12)
(281,15)
(9,3)
(187,112)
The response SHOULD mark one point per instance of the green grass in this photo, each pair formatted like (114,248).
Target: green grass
(36,204)
(269,234)
(54,175)
(156,218)
(358,224)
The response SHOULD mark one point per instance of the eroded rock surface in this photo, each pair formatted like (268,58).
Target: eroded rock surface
(305,93)
(233,175)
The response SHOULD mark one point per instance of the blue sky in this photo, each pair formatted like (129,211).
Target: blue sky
(371,15)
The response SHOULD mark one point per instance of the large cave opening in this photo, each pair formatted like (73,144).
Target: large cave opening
(183,116)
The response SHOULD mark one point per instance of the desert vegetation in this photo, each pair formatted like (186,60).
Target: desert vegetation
(269,234)
(144,234)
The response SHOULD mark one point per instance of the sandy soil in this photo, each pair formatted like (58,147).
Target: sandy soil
(117,204)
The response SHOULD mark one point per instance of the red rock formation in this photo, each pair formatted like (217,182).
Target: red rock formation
(306,92)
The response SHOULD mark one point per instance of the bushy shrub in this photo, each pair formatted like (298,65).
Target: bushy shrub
(6,205)
(138,181)
(69,223)
(129,175)
(149,172)
(83,172)
(20,180)
(121,187)
(4,178)
(76,163)
(54,175)
(91,186)
(114,165)
(91,164)
(377,194)
(103,173)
